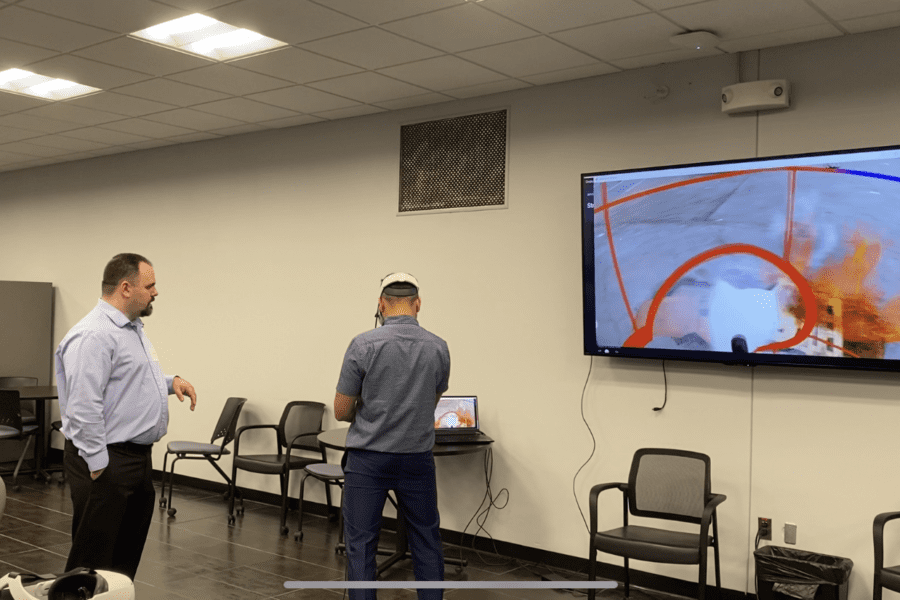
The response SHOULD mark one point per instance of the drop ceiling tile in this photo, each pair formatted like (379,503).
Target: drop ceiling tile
(142,56)
(571,74)
(192,119)
(16,55)
(528,57)
(33,150)
(150,129)
(63,111)
(413,101)
(14,134)
(10,103)
(87,72)
(117,15)
(486,89)
(634,36)
(658,58)
(68,144)
(150,144)
(841,9)
(229,80)
(31,27)
(664,4)
(240,129)
(292,121)
(105,136)
(297,65)
(303,99)
(193,6)
(12,157)
(32,123)
(245,110)
(292,22)
(383,11)
(193,137)
(442,73)
(121,104)
(171,92)
(459,28)
(371,48)
(874,23)
(794,36)
(730,19)
(347,113)
(368,87)
(557,15)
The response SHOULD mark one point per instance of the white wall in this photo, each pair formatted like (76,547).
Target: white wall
(268,249)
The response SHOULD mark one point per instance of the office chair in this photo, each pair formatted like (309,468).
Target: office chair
(885,577)
(300,424)
(12,428)
(663,484)
(330,475)
(28,409)
(212,451)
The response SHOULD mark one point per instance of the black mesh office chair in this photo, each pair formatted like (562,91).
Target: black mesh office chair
(300,424)
(212,451)
(663,484)
(12,427)
(885,577)
(330,475)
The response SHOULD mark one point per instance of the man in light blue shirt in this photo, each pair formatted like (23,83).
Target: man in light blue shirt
(113,398)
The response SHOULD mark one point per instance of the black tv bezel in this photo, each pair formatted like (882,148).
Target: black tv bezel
(591,348)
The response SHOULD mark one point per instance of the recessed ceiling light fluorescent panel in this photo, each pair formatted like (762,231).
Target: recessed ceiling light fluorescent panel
(18,81)
(204,36)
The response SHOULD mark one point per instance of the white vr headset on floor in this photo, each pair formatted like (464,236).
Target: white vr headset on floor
(78,584)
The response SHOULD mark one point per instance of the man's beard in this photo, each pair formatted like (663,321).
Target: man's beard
(147,311)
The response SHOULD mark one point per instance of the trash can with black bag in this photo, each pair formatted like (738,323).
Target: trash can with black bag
(786,573)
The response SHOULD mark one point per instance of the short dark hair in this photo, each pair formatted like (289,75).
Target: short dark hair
(122,266)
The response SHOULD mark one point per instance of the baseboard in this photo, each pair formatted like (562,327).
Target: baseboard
(550,560)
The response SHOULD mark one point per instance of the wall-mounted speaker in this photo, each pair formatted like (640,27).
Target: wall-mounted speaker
(756,95)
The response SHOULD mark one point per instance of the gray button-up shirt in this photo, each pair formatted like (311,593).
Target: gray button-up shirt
(111,387)
(398,370)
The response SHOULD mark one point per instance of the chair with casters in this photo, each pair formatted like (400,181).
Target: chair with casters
(300,424)
(12,427)
(663,484)
(885,577)
(329,474)
(212,452)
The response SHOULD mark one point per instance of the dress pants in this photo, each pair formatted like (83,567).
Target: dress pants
(112,513)
(368,477)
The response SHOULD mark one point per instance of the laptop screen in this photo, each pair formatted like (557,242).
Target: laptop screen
(456,412)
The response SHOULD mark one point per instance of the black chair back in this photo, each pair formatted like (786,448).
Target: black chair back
(669,484)
(10,410)
(11,383)
(301,423)
(228,420)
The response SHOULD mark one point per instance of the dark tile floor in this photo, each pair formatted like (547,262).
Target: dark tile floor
(197,556)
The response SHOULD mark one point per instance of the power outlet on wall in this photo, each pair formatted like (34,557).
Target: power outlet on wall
(765,528)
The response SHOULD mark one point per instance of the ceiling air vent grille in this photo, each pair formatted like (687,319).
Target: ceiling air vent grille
(454,163)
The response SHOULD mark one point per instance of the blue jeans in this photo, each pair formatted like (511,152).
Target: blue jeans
(368,476)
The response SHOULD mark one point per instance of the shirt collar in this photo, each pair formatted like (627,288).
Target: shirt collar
(117,316)
(401,320)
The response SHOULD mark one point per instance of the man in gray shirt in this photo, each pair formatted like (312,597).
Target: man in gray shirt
(390,381)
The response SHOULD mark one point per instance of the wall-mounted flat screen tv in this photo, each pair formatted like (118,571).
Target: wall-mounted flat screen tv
(791,260)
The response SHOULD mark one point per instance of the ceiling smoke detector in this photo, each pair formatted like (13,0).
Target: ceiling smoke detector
(696,40)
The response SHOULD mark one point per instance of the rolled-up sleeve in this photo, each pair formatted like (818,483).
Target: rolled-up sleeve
(86,362)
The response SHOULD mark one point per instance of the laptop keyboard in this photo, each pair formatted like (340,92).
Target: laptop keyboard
(458,438)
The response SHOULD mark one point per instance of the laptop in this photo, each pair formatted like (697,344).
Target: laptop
(456,421)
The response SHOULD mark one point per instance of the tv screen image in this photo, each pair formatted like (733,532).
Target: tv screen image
(781,260)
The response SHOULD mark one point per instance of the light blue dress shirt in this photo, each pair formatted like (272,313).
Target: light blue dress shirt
(111,387)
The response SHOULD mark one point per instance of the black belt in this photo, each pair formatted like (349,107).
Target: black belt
(130,446)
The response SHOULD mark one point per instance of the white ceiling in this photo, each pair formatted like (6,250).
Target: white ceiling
(350,57)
